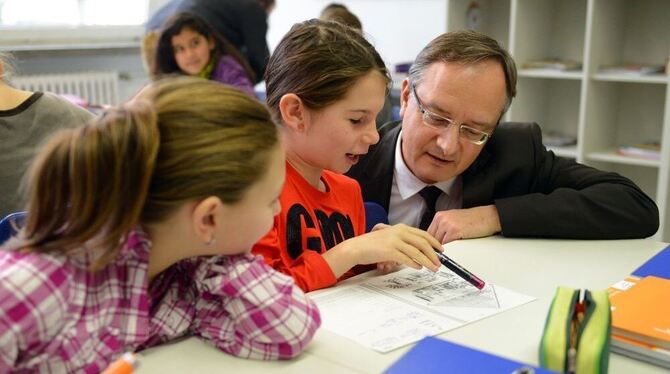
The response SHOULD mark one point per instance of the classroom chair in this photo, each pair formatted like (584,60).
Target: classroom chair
(10,224)
(374,214)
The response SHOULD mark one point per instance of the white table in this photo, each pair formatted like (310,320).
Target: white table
(530,266)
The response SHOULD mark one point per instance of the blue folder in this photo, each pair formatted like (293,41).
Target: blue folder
(658,266)
(432,355)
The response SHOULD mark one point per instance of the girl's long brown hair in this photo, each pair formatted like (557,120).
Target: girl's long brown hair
(319,61)
(179,140)
(166,64)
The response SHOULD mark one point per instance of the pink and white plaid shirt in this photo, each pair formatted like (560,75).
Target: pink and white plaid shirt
(56,316)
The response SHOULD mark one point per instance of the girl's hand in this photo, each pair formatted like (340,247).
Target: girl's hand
(387,267)
(400,243)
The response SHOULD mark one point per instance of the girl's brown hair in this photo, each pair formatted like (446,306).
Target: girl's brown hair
(319,61)
(166,64)
(179,140)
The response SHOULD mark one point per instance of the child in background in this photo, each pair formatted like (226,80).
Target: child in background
(26,120)
(327,109)
(138,232)
(188,45)
(339,13)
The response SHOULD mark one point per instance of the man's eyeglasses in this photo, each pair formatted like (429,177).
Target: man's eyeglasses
(441,123)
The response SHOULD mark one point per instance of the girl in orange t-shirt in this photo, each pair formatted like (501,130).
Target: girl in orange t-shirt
(325,85)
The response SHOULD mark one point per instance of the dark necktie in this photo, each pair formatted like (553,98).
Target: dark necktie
(429,195)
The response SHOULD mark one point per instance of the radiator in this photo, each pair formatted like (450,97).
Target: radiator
(95,87)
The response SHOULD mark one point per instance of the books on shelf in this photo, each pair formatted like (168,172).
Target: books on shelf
(649,151)
(633,69)
(553,63)
(641,319)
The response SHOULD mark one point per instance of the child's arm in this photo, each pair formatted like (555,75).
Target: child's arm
(34,296)
(309,270)
(9,345)
(231,72)
(249,310)
(399,243)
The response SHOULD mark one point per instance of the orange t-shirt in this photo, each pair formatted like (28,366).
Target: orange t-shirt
(310,223)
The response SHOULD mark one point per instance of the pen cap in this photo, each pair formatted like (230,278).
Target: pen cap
(126,364)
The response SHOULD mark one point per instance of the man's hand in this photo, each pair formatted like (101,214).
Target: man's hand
(454,224)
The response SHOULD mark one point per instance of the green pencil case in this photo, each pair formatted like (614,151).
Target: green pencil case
(576,337)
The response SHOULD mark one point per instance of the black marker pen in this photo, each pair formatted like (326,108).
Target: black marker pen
(460,271)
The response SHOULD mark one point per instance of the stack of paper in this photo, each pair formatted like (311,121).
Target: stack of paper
(390,311)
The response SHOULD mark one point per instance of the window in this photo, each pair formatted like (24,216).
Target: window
(54,13)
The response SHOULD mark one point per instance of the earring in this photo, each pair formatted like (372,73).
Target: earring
(210,241)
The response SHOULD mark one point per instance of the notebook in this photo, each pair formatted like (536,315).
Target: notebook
(433,355)
(640,351)
(641,311)
(658,266)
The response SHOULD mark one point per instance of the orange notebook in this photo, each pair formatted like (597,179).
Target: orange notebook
(641,310)
(641,351)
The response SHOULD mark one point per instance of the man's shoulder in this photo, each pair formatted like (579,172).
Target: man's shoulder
(516,134)
(387,129)
(516,128)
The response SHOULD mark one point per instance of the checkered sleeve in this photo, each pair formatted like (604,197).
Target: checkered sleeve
(249,310)
(33,298)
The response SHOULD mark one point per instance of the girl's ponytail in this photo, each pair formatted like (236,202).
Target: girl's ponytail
(91,183)
(180,140)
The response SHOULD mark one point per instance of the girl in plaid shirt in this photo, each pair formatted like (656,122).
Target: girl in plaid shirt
(138,233)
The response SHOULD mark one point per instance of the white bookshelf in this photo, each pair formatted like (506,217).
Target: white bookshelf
(603,111)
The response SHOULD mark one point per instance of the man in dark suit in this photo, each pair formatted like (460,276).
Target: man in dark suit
(449,167)
(242,22)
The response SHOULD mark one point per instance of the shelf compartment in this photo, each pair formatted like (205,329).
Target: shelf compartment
(630,32)
(612,157)
(550,74)
(548,29)
(623,114)
(631,78)
(552,103)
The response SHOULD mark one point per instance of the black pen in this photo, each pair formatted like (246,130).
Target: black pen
(460,271)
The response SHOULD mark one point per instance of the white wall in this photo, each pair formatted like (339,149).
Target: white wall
(397,28)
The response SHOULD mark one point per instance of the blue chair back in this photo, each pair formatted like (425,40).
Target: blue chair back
(9,224)
(374,214)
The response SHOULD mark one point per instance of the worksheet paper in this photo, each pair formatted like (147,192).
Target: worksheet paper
(390,311)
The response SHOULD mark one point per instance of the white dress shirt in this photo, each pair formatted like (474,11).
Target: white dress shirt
(406,205)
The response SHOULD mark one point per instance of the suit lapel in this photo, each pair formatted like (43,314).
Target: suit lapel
(378,171)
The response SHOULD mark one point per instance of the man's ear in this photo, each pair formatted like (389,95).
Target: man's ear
(404,96)
(293,112)
(205,218)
